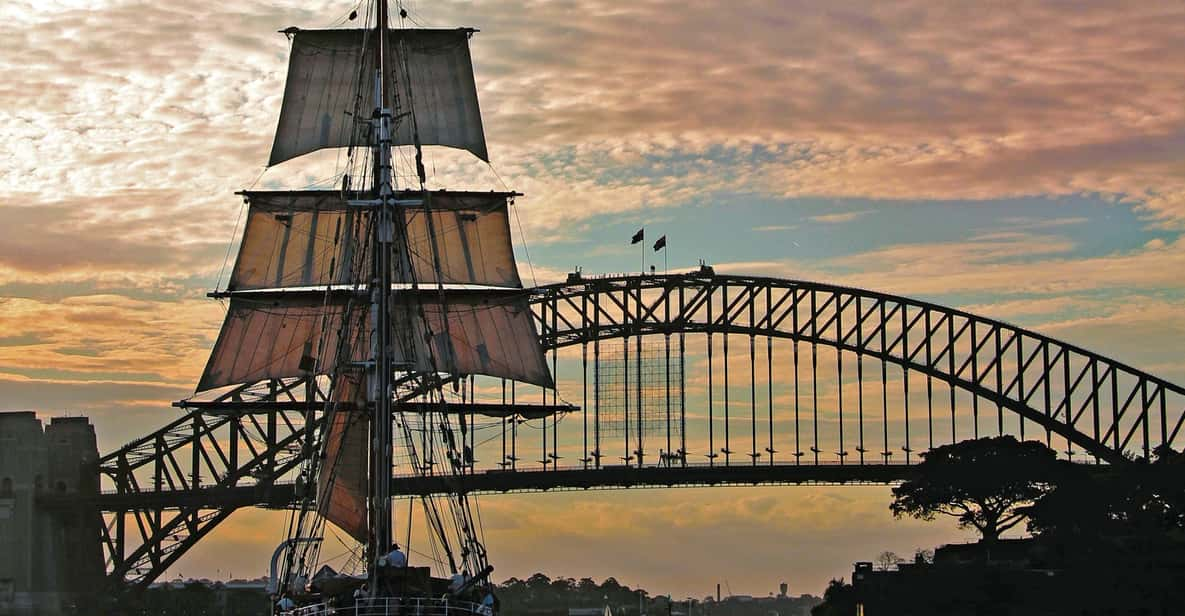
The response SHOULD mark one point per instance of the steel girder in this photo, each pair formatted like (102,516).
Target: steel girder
(1098,404)
(176,484)
(197,477)
(201,489)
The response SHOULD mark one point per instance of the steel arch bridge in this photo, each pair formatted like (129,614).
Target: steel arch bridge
(848,378)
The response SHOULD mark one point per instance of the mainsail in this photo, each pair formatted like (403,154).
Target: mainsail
(292,334)
(329,75)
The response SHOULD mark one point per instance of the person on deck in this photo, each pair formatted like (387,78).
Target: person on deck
(396,558)
(489,603)
(457,581)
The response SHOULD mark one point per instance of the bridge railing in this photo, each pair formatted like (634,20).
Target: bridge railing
(389,606)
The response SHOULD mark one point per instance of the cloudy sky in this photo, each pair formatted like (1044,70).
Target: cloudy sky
(1024,162)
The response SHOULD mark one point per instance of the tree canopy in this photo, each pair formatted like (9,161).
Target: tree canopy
(838,600)
(985,483)
(1142,497)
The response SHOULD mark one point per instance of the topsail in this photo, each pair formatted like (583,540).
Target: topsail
(328,96)
(315,238)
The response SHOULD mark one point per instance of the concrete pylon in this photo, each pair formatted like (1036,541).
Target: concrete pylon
(52,557)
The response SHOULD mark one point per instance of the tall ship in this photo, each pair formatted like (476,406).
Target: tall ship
(378,302)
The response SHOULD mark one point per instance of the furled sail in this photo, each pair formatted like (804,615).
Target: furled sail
(315,238)
(328,97)
(290,334)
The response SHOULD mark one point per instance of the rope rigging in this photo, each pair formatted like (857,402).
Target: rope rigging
(427,438)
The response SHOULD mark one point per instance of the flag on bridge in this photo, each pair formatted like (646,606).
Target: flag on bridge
(660,244)
(639,236)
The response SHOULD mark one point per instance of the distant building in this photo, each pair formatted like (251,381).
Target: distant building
(783,589)
(963,579)
(256,584)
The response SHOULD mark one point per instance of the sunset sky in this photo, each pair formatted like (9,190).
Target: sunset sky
(1025,163)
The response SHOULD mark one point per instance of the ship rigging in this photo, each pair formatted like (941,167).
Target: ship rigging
(385,301)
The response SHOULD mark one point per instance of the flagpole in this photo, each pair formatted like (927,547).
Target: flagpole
(661,244)
(640,238)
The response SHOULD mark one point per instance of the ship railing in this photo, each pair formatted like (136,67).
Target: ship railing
(391,606)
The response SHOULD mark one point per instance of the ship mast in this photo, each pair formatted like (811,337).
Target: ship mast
(379,386)
(289,304)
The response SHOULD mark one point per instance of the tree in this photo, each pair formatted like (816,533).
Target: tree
(838,600)
(538,580)
(1138,497)
(984,483)
(887,560)
(1117,531)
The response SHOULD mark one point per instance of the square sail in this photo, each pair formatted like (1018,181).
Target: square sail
(291,334)
(315,238)
(329,95)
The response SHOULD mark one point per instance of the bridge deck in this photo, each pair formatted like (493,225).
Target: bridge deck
(502,481)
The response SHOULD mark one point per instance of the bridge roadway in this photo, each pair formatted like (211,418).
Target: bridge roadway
(284,494)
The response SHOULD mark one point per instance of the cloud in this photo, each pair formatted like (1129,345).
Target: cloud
(1029,223)
(120,240)
(1009,266)
(892,103)
(1044,306)
(127,127)
(1004,263)
(840,217)
(162,342)
(905,101)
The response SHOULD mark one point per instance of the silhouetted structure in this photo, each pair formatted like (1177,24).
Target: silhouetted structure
(49,559)
(1109,539)
(1088,407)
(986,483)
(1001,578)
(540,595)
(1024,577)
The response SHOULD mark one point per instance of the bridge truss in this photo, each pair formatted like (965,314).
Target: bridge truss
(776,381)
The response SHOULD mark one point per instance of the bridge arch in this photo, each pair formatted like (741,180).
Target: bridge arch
(173,486)
(1107,408)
